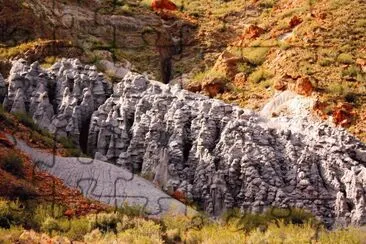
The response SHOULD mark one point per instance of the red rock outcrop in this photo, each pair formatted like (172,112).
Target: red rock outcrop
(253,31)
(343,115)
(303,86)
(163,5)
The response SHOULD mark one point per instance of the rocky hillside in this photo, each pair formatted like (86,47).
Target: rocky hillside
(281,79)
(214,154)
(242,52)
(315,48)
(21,178)
(90,30)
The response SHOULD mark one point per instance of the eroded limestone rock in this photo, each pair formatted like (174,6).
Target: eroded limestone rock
(61,99)
(216,154)
(222,156)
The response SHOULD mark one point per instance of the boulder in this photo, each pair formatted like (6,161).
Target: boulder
(295,21)
(303,86)
(252,32)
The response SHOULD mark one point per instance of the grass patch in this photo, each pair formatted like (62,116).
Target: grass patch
(208,75)
(66,142)
(245,68)
(11,235)
(337,89)
(267,3)
(132,211)
(71,150)
(27,121)
(260,75)
(355,72)
(326,61)
(273,226)
(8,52)
(6,122)
(254,55)
(13,164)
(345,58)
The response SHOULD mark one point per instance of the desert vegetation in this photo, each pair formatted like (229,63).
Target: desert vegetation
(26,222)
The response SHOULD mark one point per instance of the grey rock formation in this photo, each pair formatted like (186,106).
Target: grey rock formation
(61,99)
(222,156)
(3,89)
(216,154)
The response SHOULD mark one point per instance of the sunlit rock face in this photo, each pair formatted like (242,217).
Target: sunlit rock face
(216,154)
(223,157)
(61,99)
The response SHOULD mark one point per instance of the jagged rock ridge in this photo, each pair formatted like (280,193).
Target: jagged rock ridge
(61,99)
(224,157)
(220,155)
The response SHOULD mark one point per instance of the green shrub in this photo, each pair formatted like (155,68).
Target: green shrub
(73,152)
(267,3)
(131,211)
(260,75)
(23,192)
(78,228)
(9,52)
(337,89)
(351,97)
(254,55)
(50,225)
(11,235)
(66,142)
(26,120)
(13,164)
(361,77)
(37,134)
(71,149)
(11,213)
(126,9)
(244,221)
(198,77)
(37,137)
(326,61)
(345,58)
(250,221)
(144,231)
(245,68)
(209,75)
(4,118)
(45,211)
(351,71)
(105,222)
(290,216)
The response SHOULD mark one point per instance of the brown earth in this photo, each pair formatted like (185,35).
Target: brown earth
(35,185)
